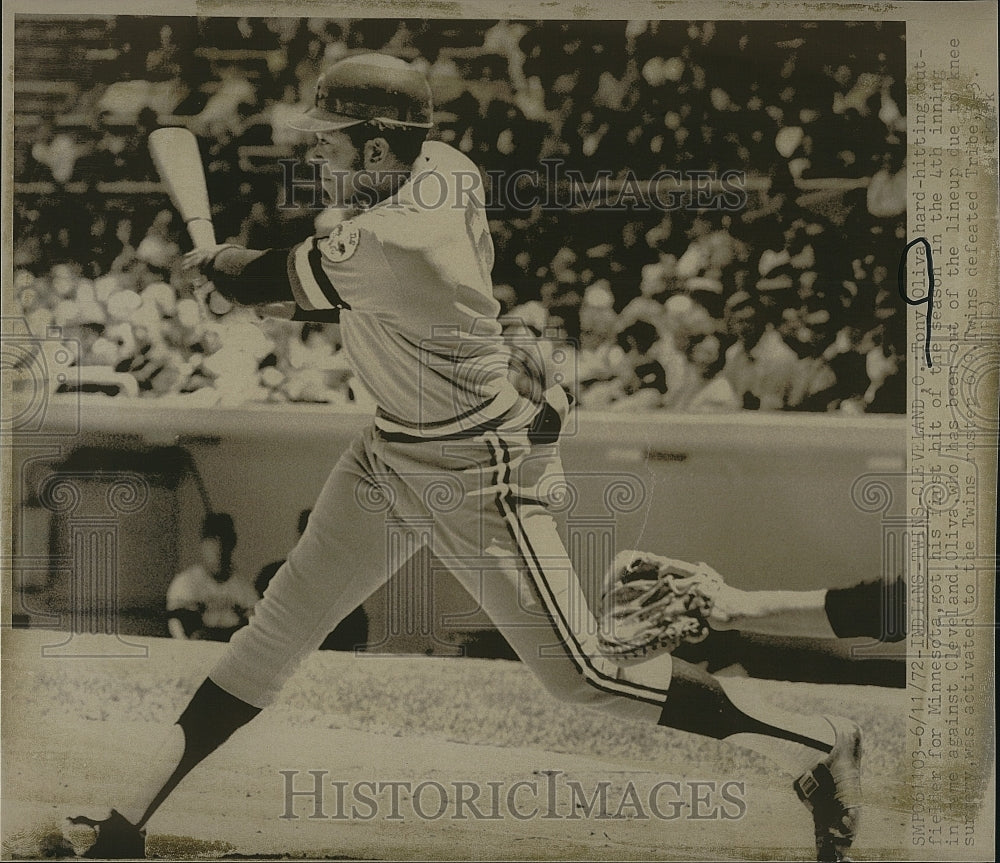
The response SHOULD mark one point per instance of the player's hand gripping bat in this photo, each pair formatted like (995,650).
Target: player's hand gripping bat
(175,154)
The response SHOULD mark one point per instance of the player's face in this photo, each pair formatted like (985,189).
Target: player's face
(342,160)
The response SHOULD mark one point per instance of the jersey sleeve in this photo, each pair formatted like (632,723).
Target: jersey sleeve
(337,271)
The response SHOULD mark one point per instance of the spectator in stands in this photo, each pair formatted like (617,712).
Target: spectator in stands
(701,388)
(887,391)
(311,367)
(207,601)
(124,100)
(759,365)
(887,190)
(124,263)
(279,112)
(598,327)
(649,305)
(308,69)
(162,62)
(58,152)
(232,349)
(158,249)
(640,375)
(782,100)
(223,113)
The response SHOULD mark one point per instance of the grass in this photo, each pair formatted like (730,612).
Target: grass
(487,702)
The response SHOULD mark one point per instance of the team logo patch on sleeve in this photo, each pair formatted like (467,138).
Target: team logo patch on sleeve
(341,244)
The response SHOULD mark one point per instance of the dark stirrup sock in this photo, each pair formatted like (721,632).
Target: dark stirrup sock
(208,721)
(698,704)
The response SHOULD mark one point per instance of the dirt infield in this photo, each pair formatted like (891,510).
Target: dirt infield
(77,729)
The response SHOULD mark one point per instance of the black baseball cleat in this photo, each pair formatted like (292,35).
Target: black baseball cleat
(832,792)
(117,838)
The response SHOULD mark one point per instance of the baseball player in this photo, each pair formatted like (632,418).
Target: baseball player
(457,457)
(207,601)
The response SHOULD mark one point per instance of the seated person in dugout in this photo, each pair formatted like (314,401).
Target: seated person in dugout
(207,601)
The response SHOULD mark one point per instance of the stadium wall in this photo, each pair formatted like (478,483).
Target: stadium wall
(770,500)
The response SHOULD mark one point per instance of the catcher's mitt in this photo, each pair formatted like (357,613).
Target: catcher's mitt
(652,603)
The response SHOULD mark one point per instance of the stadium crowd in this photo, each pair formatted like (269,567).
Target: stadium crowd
(785,302)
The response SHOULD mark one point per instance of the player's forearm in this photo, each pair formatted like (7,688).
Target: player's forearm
(790,612)
(233,260)
(772,612)
(176,628)
(251,277)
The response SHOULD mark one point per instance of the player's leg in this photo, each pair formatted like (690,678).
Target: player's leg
(338,562)
(534,597)
(539,607)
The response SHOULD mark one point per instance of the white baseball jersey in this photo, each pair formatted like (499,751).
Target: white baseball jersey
(411,277)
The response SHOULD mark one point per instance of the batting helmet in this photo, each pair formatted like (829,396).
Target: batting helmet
(368,88)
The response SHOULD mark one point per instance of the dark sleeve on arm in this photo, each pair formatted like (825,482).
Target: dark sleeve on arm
(875,609)
(319,316)
(252,278)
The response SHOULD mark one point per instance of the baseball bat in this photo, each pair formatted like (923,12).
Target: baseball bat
(178,162)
